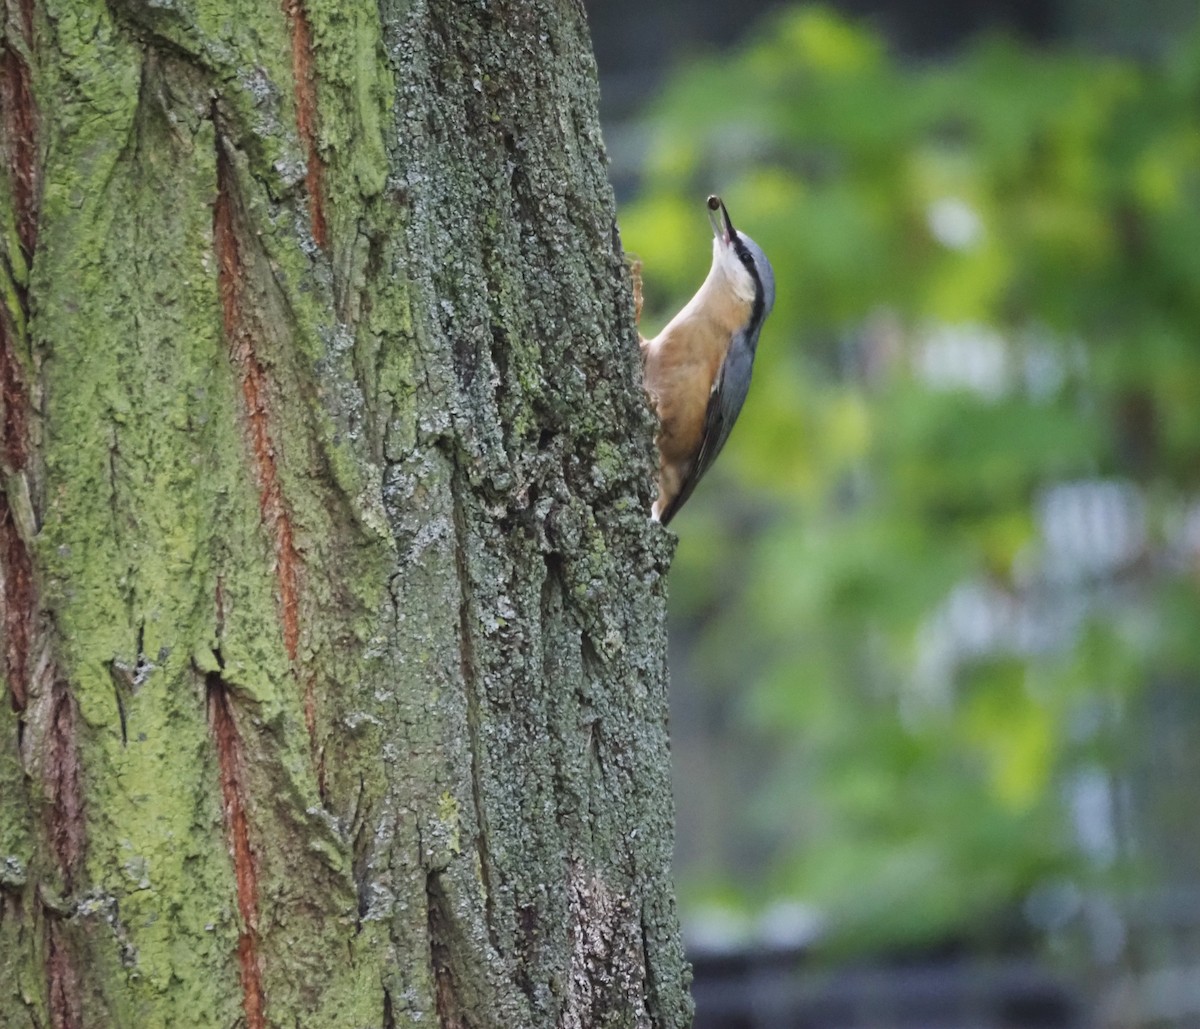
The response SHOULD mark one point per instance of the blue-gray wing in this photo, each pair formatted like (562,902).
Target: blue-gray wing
(724,404)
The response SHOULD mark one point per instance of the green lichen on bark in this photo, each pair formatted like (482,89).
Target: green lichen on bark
(342,547)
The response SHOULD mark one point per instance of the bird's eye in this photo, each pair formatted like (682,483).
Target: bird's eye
(714,202)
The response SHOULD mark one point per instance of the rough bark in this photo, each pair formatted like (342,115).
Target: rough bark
(333,619)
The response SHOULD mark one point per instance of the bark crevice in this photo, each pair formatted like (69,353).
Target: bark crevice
(470,675)
(451,1010)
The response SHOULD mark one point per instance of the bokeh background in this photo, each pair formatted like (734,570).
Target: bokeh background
(936,612)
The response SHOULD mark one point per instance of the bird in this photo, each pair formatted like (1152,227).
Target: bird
(697,370)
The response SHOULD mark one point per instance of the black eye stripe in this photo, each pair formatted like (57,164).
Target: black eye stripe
(756,314)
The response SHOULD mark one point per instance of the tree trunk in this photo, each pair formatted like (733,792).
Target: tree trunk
(333,619)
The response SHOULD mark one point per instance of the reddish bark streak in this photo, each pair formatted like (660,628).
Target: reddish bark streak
(240,331)
(237,826)
(18,148)
(306,114)
(310,706)
(61,978)
(18,594)
(64,822)
(14,443)
(20,131)
(68,830)
(20,605)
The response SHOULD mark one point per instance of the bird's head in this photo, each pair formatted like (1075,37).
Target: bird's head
(739,261)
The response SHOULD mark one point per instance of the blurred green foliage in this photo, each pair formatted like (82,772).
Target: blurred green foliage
(988,286)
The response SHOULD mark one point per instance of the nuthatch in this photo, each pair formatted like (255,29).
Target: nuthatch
(698,367)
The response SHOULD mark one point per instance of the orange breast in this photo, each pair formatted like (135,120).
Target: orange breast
(681,364)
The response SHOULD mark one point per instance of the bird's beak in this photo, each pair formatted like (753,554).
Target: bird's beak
(719,217)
